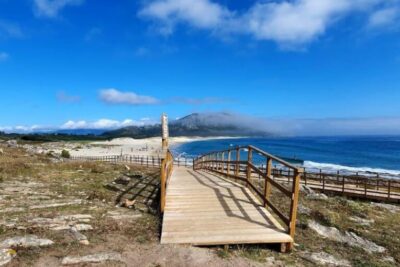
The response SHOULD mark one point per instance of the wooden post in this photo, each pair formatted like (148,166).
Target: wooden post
(229,162)
(165,131)
(162,184)
(237,162)
(222,162)
(294,205)
(323,183)
(249,160)
(267,188)
(305,178)
(343,184)
(389,188)
(365,187)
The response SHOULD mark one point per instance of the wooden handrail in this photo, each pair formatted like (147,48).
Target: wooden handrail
(217,162)
(167,167)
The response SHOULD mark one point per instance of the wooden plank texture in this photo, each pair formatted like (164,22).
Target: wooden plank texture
(205,209)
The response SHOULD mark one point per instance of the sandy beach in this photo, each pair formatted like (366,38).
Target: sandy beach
(130,146)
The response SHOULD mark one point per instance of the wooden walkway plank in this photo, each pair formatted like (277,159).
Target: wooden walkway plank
(204,209)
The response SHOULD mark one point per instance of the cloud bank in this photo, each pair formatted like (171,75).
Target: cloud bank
(101,124)
(288,23)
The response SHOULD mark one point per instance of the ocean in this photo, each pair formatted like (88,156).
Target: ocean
(350,154)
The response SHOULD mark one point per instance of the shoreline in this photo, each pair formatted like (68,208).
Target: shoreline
(152,147)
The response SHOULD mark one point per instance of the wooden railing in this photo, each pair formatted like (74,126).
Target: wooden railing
(167,167)
(229,163)
(351,185)
(149,161)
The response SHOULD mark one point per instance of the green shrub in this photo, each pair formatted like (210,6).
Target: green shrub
(65,154)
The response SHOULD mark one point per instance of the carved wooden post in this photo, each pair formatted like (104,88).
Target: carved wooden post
(165,131)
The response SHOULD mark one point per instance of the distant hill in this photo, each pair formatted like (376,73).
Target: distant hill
(196,124)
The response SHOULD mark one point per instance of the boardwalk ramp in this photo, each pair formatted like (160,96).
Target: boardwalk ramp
(205,209)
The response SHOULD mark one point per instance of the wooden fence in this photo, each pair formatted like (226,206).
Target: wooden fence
(149,161)
(228,163)
(351,185)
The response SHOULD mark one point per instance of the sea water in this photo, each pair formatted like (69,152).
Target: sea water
(350,154)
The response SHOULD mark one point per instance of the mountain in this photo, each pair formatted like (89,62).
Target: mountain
(197,124)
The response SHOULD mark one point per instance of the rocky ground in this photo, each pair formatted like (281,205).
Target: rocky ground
(54,212)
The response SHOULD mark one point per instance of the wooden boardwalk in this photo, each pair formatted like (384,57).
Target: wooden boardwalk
(204,209)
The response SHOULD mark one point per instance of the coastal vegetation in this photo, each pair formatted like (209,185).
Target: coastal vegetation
(73,205)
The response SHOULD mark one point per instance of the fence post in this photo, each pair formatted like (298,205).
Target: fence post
(323,183)
(229,162)
(305,178)
(237,161)
(222,162)
(343,184)
(249,161)
(365,187)
(162,184)
(267,188)
(389,188)
(294,205)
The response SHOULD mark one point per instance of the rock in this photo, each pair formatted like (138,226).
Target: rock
(6,255)
(25,242)
(317,196)
(272,262)
(348,238)
(12,143)
(12,210)
(389,259)
(361,221)
(95,258)
(306,190)
(82,239)
(116,215)
(122,180)
(56,205)
(324,259)
(83,227)
(389,207)
(304,210)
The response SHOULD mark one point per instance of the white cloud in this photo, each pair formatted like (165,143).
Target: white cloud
(3,56)
(296,22)
(51,8)
(102,124)
(199,13)
(384,17)
(114,96)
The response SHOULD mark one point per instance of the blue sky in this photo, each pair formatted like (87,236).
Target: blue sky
(125,62)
